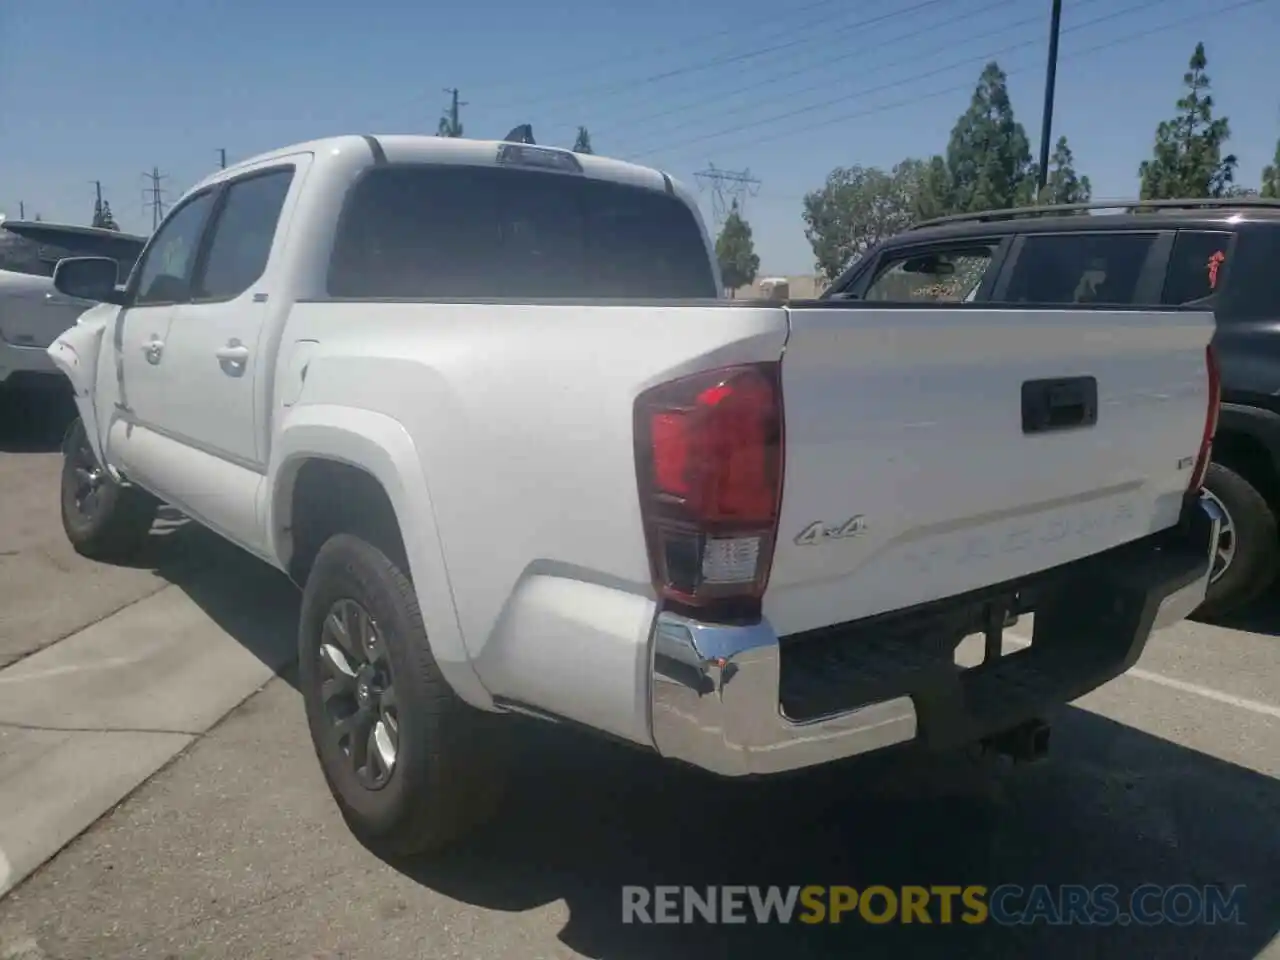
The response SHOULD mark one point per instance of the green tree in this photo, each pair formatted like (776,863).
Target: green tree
(858,207)
(1187,161)
(933,190)
(736,251)
(989,156)
(102,217)
(1271,176)
(583,143)
(1063,184)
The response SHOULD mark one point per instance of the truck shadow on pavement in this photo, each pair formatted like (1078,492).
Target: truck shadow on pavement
(1112,805)
(34,419)
(1262,616)
(252,602)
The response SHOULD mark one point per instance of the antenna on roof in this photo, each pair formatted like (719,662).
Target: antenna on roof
(521,134)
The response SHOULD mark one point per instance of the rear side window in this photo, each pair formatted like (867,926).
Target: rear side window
(939,275)
(1251,290)
(1198,261)
(243,234)
(434,231)
(1070,268)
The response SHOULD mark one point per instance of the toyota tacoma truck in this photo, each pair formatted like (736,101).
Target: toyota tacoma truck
(487,405)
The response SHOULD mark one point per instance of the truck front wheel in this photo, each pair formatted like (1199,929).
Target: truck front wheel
(411,767)
(103,519)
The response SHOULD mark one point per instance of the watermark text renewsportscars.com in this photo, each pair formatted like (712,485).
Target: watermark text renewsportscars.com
(1007,904)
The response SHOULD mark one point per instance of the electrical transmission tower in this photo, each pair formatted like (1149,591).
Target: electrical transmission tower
(727,188)
(155,197)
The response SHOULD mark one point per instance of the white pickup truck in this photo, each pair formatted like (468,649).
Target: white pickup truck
(487,405)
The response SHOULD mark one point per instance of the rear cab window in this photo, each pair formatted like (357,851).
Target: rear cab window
(1108,269)
(435,231)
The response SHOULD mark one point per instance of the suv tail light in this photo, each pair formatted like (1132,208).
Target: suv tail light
(1210,421)
(709,458)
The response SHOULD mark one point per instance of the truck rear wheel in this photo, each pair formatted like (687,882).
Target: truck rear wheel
(102,519)
(1248,555)
(411,767)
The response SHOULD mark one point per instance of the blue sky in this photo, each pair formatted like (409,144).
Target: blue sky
(91,89)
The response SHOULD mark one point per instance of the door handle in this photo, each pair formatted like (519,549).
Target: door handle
(153,348)
(232,357)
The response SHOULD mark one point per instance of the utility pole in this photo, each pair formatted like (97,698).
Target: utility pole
(449,123)
(222,157)
(97,204)
(22,210)
(156,203)
(1051,76)
(728,187)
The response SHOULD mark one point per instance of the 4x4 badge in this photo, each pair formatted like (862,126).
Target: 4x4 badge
(819,532)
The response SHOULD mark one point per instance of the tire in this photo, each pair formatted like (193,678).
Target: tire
(1249,534)
(447,774)
(103,520)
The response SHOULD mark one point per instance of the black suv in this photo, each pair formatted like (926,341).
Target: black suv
(1224,254)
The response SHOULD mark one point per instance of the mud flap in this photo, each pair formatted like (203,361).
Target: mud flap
(75,353)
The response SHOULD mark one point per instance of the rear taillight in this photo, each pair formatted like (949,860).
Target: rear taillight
(1210,421)
(709,463)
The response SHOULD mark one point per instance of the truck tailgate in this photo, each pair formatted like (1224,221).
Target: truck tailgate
(913,472)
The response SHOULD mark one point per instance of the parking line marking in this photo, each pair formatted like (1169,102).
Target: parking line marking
(1208,693)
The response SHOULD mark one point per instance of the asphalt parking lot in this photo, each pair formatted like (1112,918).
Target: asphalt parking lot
(1170,775)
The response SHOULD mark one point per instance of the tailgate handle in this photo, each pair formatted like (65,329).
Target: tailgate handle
(1062,404)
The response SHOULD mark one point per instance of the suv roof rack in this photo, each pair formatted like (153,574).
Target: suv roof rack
(1014,213)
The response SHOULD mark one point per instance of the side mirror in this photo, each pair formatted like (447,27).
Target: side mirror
(88,278)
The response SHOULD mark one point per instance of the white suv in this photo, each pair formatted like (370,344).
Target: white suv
(32,312)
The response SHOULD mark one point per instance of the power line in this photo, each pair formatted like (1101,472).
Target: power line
(156,201)
(575,73)
(804,40)
(860,94)
(861,55)
(1197,17)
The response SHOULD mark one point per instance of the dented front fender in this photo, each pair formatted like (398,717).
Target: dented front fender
(76,354)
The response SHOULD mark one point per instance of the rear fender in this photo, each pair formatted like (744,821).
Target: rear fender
(380,446)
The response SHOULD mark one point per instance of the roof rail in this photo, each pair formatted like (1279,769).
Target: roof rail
(1128,206)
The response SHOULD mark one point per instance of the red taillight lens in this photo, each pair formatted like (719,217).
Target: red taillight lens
(709,464)
(1210,421)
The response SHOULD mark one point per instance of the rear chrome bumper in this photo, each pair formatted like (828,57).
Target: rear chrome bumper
(716,691)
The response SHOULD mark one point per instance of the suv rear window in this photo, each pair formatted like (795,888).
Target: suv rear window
(35,249)
(464,232)
(1063,268)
